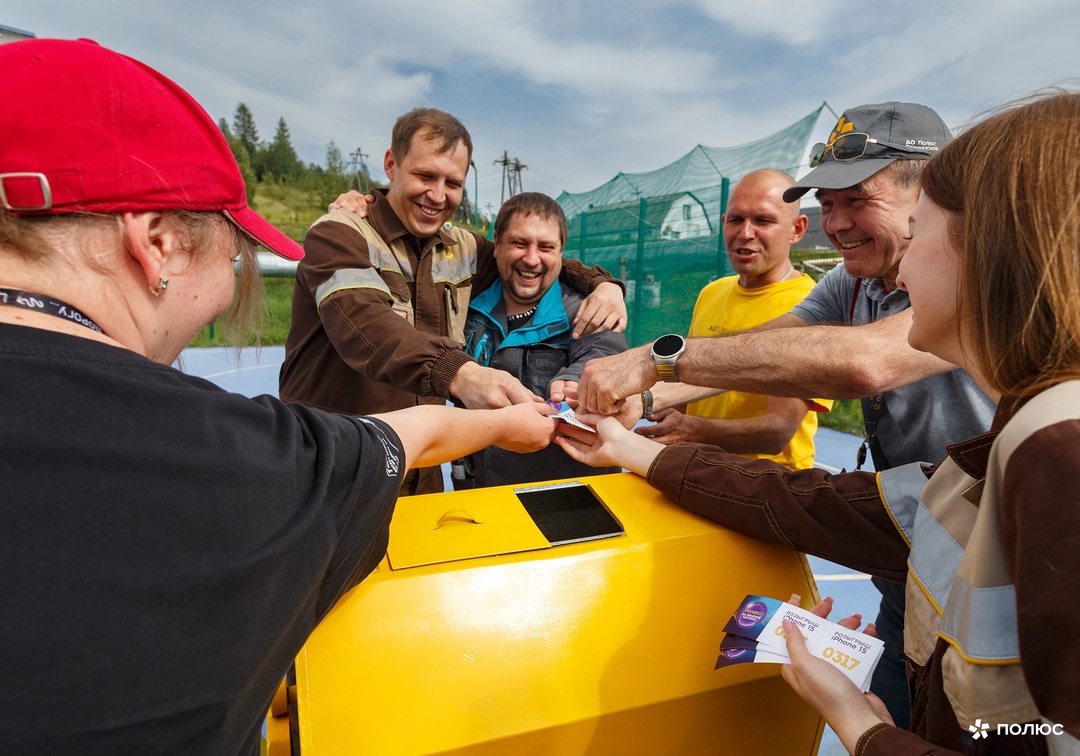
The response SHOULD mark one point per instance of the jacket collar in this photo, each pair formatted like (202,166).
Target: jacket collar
(549,310)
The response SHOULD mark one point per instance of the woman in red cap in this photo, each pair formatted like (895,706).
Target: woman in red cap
(989,539)
(167,546)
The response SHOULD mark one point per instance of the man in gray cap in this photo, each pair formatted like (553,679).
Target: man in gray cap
(914,404)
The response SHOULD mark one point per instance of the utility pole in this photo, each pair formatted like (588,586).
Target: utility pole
(516,186)
(476,196)
(358,170)
(511,175)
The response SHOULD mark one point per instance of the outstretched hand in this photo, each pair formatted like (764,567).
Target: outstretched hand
(849,711)
(628,412)
(671,427)
(480,387)
(611,445)
(531,427)
(607,381)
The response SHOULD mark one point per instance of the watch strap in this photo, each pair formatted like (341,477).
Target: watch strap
(668,374)
(646,403)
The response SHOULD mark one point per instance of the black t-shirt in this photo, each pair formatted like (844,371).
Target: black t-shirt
(167,547)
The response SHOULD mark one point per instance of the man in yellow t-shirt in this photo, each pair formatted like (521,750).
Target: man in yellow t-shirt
(759,229)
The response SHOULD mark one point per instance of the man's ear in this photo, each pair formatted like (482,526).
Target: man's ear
(151,243)
(388,164)
(799,229)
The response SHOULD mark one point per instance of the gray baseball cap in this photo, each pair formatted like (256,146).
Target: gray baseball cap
(868,138)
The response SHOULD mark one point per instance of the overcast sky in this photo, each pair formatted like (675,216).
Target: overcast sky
(577,91)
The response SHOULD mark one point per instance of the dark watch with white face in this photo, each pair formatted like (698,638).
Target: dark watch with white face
(665,351)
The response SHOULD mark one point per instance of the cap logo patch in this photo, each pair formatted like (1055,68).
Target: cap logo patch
(842,127)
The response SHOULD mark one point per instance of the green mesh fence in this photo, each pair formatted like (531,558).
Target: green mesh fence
(660,231)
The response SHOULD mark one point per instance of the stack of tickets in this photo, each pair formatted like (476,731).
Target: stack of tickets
(755,635)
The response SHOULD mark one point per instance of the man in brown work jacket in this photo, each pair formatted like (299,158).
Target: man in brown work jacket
(380,302)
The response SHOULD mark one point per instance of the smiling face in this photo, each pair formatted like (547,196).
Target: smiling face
(529,257)
(868,224)
(426,184)
(930,273)
(759,229)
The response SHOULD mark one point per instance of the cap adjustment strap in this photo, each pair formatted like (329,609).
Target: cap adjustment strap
(22,190)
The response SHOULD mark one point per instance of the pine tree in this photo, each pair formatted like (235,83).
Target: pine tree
(335,161)
(243,160)
(244,129)
(281,159)
(464,215)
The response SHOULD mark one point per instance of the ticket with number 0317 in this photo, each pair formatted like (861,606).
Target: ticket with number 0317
(757,629)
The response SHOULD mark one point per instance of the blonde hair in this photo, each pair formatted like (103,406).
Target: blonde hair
(1012,185)
(34,239)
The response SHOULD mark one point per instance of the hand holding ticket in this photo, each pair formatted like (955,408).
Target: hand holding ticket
(565,412)
(755,634)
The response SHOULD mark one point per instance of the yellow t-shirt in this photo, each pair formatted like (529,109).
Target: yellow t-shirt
(725,307)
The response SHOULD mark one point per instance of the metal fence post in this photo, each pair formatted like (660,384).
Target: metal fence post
(583,244)
(639,274)
(721,256)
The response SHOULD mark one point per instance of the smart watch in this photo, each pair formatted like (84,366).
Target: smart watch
(665,351)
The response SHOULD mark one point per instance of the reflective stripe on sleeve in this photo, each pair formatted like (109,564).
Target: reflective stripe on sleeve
(901,488)
(981,623)
(351,278)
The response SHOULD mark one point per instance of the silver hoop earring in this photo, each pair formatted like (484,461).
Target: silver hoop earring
(163,284)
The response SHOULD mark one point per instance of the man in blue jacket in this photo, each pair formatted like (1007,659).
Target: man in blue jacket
(521,324)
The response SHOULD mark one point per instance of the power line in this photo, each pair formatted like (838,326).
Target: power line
(360,176)
(511,175)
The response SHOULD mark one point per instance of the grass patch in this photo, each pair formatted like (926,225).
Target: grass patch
(846,416)
(277,311)
(290,208)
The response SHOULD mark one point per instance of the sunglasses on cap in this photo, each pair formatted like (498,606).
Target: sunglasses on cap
(852,145)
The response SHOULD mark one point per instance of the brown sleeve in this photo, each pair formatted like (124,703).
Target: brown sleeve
(886,740)
(837,517)
(367,333)
(573,274)
(1040,515)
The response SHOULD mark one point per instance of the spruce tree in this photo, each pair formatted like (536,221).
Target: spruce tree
(281,158)
(243,127)
(243,159)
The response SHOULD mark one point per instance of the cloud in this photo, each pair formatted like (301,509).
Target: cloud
(792,23)
(526,40)
(578,91)
(973,55)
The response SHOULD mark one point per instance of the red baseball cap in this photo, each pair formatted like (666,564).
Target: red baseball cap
(86,129)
